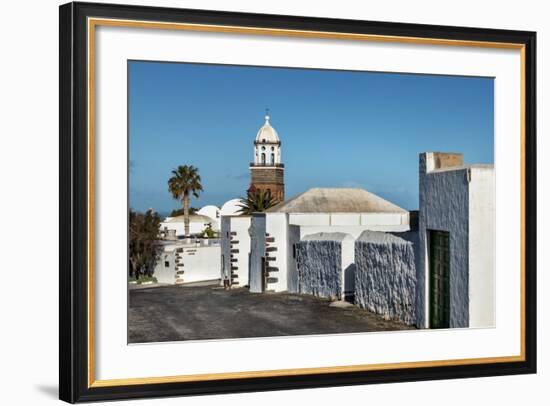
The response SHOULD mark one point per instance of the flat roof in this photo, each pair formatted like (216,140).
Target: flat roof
(463,167)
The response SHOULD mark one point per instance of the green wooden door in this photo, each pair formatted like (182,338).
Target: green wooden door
(439,279)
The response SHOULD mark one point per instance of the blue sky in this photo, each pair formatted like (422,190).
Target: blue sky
(338,128)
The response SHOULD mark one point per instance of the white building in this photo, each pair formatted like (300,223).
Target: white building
(235,249)
(231,207)
(455,277)
(326,265)
(212,212)
(185,262)
(329,210)
(197,225)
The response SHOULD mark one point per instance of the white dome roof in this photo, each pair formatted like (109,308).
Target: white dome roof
(267,133)
(231,207)
(211,211)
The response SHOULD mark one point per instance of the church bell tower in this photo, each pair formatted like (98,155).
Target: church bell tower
(267,172)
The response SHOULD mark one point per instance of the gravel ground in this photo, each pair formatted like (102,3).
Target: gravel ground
(175,313)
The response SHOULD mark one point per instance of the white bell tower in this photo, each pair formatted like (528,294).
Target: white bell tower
(267,146)
(267,170)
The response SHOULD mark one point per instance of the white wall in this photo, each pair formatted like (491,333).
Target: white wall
(195,227)
(369,221)
(213,212)
(482,247)
(39,36)
(277,227)
(257,251)
(240,226)
(258,154)
(225,247)
(166,274)
(444,206)
(354,231)
(200,263)
(462,203)
(348,268)
(385,276)
(235,249)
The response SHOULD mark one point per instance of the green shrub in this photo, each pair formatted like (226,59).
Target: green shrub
(147,279)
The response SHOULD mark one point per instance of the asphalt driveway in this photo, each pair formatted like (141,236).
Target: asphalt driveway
(175,313)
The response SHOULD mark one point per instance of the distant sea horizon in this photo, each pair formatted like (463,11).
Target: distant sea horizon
(162,213)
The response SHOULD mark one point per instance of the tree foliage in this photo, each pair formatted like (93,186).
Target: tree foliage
(185,181)
(257,201)
(208,231)
(144,248)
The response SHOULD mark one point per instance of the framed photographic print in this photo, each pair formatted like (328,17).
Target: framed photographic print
(256,202)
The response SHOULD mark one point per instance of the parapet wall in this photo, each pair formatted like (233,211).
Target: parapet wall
(320,264)
(385,276)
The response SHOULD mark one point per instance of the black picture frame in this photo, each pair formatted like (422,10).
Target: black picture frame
(73,255)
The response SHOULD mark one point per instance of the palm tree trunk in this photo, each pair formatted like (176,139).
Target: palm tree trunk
(186,213)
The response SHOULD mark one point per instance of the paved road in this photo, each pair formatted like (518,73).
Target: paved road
(174,313)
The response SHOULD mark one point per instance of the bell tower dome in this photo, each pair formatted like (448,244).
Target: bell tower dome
(267,170)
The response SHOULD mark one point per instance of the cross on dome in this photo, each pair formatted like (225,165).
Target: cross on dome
(267,133)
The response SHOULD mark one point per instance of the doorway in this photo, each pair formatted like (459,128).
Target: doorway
(439,263)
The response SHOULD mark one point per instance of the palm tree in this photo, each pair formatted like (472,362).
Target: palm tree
(257,201)
(184,182)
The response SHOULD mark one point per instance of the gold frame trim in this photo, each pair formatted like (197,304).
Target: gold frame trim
(94,22)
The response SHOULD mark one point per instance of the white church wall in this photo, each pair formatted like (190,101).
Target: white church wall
(482,247)
(272,154)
